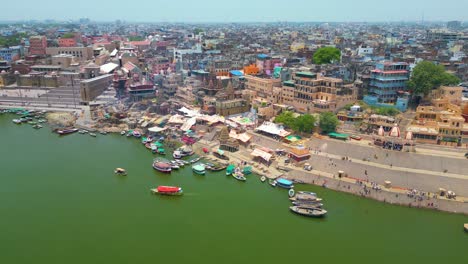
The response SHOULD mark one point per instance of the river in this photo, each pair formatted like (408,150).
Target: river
(60,202)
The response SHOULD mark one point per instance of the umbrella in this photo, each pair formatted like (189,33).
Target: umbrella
(205,150)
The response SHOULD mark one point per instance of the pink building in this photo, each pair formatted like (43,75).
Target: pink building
(37,45)
(161,63)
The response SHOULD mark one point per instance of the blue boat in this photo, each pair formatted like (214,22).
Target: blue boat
(284,183)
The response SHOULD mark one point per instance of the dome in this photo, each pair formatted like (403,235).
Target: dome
(381,131)
(409,135)
(395,131)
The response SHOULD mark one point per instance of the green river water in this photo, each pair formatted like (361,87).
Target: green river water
(60,202)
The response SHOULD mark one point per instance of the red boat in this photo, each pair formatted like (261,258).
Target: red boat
(168,190)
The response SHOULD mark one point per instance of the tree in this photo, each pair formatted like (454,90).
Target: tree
(327,55)
(136,38)
(68,35)
(304,123)
(428,76)
(328,122)
(387,111)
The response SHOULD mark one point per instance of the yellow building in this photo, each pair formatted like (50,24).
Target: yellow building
(441,122)
(297,46)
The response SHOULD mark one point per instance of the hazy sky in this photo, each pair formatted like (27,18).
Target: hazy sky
(237,10)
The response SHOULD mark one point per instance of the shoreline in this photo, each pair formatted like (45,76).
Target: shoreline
(393,195)
(358,187)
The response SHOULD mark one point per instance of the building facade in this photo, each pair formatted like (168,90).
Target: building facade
(11,54)
(442,122)
(37,45)
(67,42)
(92,88)
(309,93)
(387,85)
(80,53)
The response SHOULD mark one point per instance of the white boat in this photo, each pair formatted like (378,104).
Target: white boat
(176,155)
(263,178)
(17,121)
(123,132)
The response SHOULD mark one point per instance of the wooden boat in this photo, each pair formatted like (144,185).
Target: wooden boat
(103,133)
(238,175)
(168,190)
(308,205)
(195,160)
(311,212)
(230,169)
(217,168)
(162,166)
(304,192)
(66,131)
(37,126)
(299,198)
(199,169)
(120,171)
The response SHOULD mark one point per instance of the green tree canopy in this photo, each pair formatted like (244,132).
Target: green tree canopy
(387,111)
(304,123)
(327,55)
(328,122)
(68,35)
(12,40)
(428,76)
(136,38)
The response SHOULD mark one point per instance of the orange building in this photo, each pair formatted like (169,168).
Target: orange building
(67,42)
(251,70)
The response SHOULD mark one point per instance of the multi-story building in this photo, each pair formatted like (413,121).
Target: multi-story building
(261,87)
(442,121)
(442,35)
(67,42)
(159,64)
(310,93)
(267,64)
(37,45)
(80,53)
(387,85)
(219,67)
(11,54)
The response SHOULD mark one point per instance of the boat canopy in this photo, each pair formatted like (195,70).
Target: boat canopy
(284,181)
(168,189)
(231,168)
(198,167)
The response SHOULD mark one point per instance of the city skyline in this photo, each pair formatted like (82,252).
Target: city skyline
(210,11)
